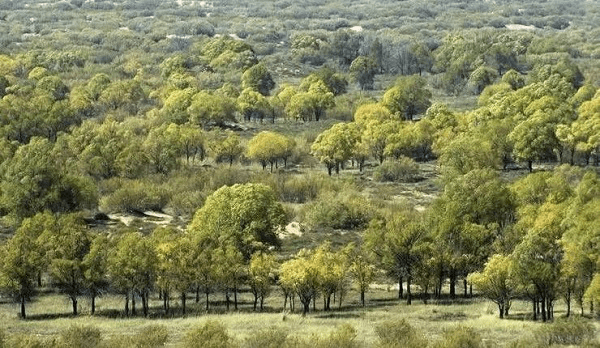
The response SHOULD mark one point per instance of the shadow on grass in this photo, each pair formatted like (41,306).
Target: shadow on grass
(339,315)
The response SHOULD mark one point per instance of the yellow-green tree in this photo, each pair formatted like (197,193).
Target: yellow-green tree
(495,282)
(269,147)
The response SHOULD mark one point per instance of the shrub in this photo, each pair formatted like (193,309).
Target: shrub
(347,209)
(31,341)
(152,336)
(136,196)
(267,338)
(80,337)
(461,337)
(344,336)
(565,332)
(404,170)
(212,334)
(396,334)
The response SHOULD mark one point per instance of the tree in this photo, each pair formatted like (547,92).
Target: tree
(245,216)
(334,146)
(362,270)
(534,139)
(226,147)
(310,105)
(495,283)
(300,275)
(66,245)
(133,275)
(229,269)
(32,182)
(408,97)
(396,241)
(19,266)
(363,70)
(211,108)
(252,104)
(95,264)
(162,147)
(269,147)
(258,79)
(261,273)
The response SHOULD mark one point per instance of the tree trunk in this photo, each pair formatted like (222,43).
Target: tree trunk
(144,303)
(501,310)
(408,292)
(183,303)
(93,302)
(262,302)
(133,311)
(305,307)
(74,301)
(453,284)
(197,294)
(235,301)
(285,297)
(127,303)
(255,302)
(23,314)
(534,303)
(568,300)
(400,288)
(544,314)
(362,297)
(207,300)
(530,166)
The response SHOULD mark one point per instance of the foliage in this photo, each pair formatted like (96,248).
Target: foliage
(402,170)
(212,334)
(399,333)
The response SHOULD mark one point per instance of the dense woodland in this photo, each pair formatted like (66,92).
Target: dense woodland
(237,118)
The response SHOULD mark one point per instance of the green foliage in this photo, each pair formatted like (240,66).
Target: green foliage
(403,170)
(363,70)
(81,337)
(135,196)
(495,282)
(399,333)
(273,337)
(245,216)
(569,332)
(258,79)
(345,210)
(270,147)
(408,97)
(461,337)
(212,334)
(335,146)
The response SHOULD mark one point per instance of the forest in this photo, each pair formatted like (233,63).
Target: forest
(306,173)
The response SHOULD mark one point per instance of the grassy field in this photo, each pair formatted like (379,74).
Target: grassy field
(50,315)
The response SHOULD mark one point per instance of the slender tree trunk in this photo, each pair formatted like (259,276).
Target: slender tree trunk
(227,299)
(408,292)
(544,314)
(262,302)
(183,302)
(400,288)
(305,307)
(453,284)
(530,166)
(144,303)
(207,293)
(94,302)
(568,300)
(235,301)
(23,314)
(255,302)
(285,297)
(197,294)
(465,287)
(133,311)
(362,297)
(501,310)
(425,294)
(127,303)
(74,301)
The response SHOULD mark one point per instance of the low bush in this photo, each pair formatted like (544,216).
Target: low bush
(399,333)
(461,337)
(212,334)
(80,337)
(135,196)
(565,332)
(403,170)
(346,209)
(267,338)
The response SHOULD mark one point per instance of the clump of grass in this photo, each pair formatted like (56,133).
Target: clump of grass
(565,332)
(267,338)
(80,337)
(402,170)
(399,333)
(212,334)
(461,337)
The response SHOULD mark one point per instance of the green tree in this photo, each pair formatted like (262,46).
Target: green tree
(227,147)
(66,245)
(335,145)
(20,265)
(95,264)
(362,270)
(495,282)
(261,274)
(269,147)
(245,216)
(258,79)
(363,70)
(133,275)
(211,108)
(408,97)
(253,105)
(301,276)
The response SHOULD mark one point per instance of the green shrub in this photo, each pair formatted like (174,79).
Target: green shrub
(226,176)
(565,332)
(399,333)
(136,196)
(212,334)
(152,336)
(31,341)
(267,338)
(461,337)
(404,170)
(340,210)
(80,337)
(344,336)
